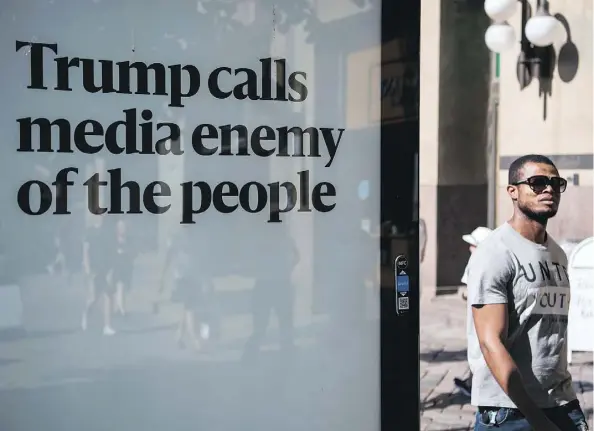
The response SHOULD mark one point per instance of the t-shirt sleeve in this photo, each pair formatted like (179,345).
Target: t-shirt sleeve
(489,273)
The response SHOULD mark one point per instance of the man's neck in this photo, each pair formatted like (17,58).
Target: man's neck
(535,231)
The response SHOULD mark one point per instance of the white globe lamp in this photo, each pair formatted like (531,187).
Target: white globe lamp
(542,29)
(500,37)
(500,10)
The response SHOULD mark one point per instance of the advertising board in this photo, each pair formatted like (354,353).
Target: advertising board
(164,165)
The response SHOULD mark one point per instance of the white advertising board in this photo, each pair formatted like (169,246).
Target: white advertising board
(169,161)
(581,310)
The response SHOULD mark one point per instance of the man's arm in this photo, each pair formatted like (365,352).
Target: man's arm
(490,322)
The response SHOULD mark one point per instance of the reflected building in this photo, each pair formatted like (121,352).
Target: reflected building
(361,68)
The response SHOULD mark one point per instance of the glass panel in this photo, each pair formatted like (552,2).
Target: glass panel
(197,198)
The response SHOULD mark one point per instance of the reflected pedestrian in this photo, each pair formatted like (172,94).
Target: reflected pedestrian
(473,240)
(273,290)
(123,266)
(188,286)
(97,269)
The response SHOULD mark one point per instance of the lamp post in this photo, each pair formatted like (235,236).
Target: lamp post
(538,33)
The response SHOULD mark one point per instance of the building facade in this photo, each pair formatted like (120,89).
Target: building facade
(469,112)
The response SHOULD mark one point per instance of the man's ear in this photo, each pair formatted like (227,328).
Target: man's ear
(512,191)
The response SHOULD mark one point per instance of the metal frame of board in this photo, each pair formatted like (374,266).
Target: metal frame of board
(400,391)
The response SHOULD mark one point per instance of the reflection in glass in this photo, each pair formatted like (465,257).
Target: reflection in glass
(221,269)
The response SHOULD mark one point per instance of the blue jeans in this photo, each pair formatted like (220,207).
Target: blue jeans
(568,418)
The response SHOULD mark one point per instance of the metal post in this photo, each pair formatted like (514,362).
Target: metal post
(492,152)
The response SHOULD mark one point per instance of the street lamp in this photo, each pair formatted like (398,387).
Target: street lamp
(500,10)
(535,60)
(500,37)
(541,30)
(537,35)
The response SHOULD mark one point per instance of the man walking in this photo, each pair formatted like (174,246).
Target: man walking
(98,248)
(518,298)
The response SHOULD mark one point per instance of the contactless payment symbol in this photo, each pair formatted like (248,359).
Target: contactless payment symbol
(401,263)
(402,284)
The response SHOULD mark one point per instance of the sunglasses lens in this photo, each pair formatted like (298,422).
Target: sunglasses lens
(538,183)
(559,184)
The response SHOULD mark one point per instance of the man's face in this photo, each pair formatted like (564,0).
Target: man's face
(472,248)
(537,199)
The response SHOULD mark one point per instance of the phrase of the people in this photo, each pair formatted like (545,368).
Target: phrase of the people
(136,133)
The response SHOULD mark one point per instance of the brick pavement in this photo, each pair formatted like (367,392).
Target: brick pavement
(443,357)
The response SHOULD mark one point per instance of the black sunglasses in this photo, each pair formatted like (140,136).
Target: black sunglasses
(539,183)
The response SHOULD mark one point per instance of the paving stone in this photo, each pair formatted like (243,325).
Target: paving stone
(425,422)
(439,426)
(468,409)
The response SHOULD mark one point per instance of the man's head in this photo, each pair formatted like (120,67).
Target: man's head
(535,187)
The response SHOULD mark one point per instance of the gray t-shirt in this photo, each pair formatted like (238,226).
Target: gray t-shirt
(507,268)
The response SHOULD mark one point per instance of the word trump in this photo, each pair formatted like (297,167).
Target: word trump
(270,82)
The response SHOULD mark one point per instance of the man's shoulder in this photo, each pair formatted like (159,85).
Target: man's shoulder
(493,251)
(494,243)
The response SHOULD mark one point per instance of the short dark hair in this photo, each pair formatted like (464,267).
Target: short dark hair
(514,173)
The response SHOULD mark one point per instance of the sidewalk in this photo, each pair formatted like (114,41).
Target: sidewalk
(443,357)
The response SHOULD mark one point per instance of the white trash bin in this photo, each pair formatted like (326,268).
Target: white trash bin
(581,309)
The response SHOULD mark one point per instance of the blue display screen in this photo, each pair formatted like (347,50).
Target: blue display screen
(402,282)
